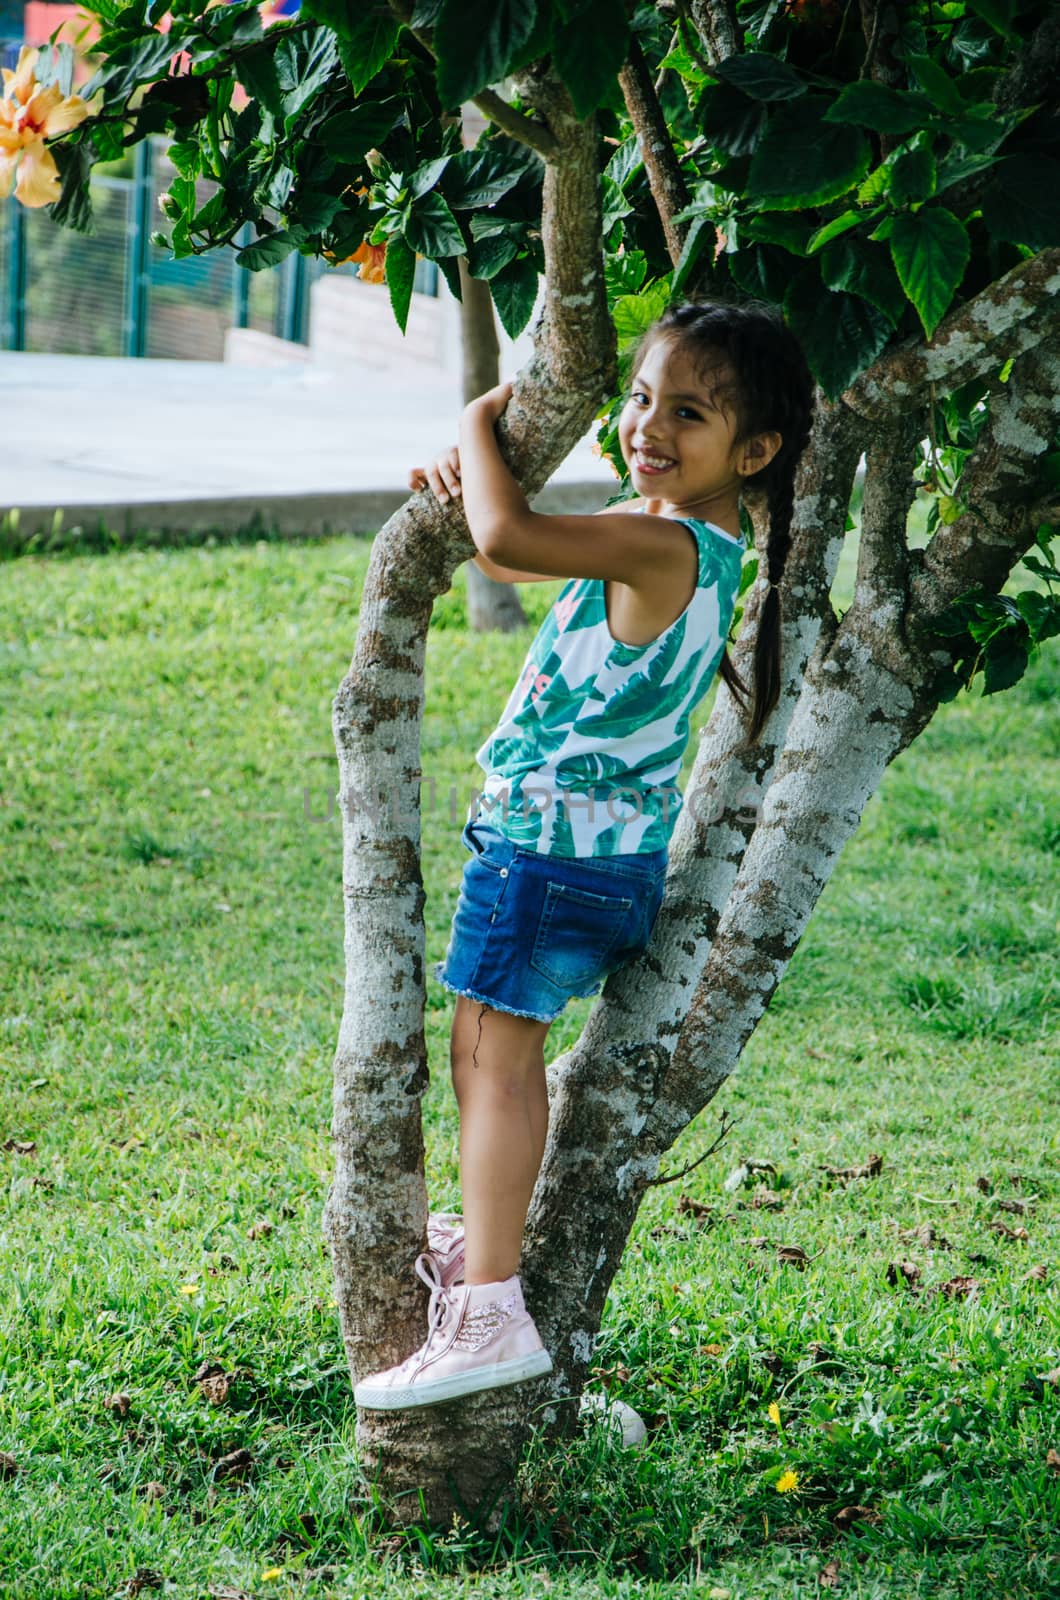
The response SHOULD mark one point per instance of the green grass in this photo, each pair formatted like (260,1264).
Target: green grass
(172,984)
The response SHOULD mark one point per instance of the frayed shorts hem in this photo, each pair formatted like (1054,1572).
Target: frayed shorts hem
(495,1005)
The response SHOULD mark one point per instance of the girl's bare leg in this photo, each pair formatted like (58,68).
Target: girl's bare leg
(498,1065)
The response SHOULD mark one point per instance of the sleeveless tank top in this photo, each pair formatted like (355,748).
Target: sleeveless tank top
(585,757)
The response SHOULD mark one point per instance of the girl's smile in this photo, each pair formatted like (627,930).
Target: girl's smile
(676,439)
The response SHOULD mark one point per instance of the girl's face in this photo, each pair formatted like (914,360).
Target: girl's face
(677,440)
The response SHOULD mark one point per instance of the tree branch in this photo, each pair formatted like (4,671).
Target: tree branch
(719,33)
(491,105)
(1000,486)
(1005,319)
(668,187)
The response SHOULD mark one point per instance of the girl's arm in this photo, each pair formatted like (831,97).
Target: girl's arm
(442,477)
(628,547)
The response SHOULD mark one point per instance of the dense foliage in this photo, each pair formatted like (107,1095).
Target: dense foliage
(867,175)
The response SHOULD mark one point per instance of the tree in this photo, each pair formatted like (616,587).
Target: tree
(889,175)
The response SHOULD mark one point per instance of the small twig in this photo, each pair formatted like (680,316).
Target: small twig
(724,1130)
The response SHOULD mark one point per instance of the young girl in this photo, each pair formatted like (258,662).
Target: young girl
(569,840)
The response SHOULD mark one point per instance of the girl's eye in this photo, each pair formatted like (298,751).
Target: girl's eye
(639,397)
(687,411)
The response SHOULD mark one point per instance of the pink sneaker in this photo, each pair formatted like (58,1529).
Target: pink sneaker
(479,1336)
(445,1241)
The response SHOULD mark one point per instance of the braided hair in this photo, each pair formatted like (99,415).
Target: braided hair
(757,369)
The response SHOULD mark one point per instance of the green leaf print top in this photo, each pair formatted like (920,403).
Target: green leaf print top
(585,758)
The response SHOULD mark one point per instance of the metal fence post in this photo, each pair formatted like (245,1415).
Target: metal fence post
(134,325)
(14,326)
(292,299)
(241,282)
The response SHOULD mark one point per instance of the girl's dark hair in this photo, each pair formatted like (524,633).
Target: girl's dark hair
(757,370)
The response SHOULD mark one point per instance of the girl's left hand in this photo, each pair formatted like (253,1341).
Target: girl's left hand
(492,403)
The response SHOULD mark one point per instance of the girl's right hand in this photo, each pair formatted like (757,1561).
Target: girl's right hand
(442,476)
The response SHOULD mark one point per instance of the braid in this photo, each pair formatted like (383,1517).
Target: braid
(768,384)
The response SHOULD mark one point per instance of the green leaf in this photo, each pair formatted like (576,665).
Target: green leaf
(614,205)
(730,121)
(349,135)
(400,271)
(913,176)
(804,161)
(588,51)
(426,177)
(491,255)
(936,84)
(481,177)
(997,14)
(930,251)
(1004,662)
(857,267)
(1041,613)
(633,314)
(761,76)
(838,225)
(879,107)
(624,274)
(476,41)
(432,230)
(700,238)
(304,63)
(514,292)
(256,70)
(1022,205)
(840,333)
(367,33)
(267,252)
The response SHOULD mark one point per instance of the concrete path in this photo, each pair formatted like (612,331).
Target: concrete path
(188,445)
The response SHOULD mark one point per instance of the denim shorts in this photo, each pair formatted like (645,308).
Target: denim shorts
(531,930)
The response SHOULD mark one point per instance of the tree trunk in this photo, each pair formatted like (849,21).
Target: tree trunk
(746,870)
(491,606)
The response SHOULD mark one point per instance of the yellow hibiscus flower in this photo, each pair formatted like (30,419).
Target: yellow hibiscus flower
(28,116)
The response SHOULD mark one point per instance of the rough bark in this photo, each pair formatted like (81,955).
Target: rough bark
(656,147)
(375,1215)
(491,606)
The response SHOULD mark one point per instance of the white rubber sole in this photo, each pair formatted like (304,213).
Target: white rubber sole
(436,1390)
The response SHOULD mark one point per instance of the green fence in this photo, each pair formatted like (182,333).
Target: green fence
(114,293)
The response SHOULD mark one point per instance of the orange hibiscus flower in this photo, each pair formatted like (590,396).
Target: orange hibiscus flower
(28,116)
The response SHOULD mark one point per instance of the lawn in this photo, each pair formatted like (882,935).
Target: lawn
(874,1421)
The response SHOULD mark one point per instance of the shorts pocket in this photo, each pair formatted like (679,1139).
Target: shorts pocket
(576,934)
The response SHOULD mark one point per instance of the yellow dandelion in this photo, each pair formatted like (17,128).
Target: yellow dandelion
(270,1573)
(774,1413)
(787,1481)
(189,1288)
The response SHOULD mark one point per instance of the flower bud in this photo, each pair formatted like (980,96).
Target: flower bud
(169,206)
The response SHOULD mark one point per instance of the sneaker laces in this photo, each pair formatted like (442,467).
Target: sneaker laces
(441,1308)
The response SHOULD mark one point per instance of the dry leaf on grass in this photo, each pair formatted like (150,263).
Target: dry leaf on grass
(1016,1208)
(851,1515)
(871,1168)
(906,1272)
(20,1147)
(828,1577)
(260,1229)
(1039,1273)
(215,1388)
(153,1490)
(983,1185)
(960,1288)
(700,1213)
(226,1591)
(118,1403)
(793,1255)
(8,1465)
(1003,1231)
(765,1199)
(1052,1460)
(143,1578)
(233,1467)
(925,1234)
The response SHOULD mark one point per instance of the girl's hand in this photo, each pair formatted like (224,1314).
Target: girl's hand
(492,403)
(442,476)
